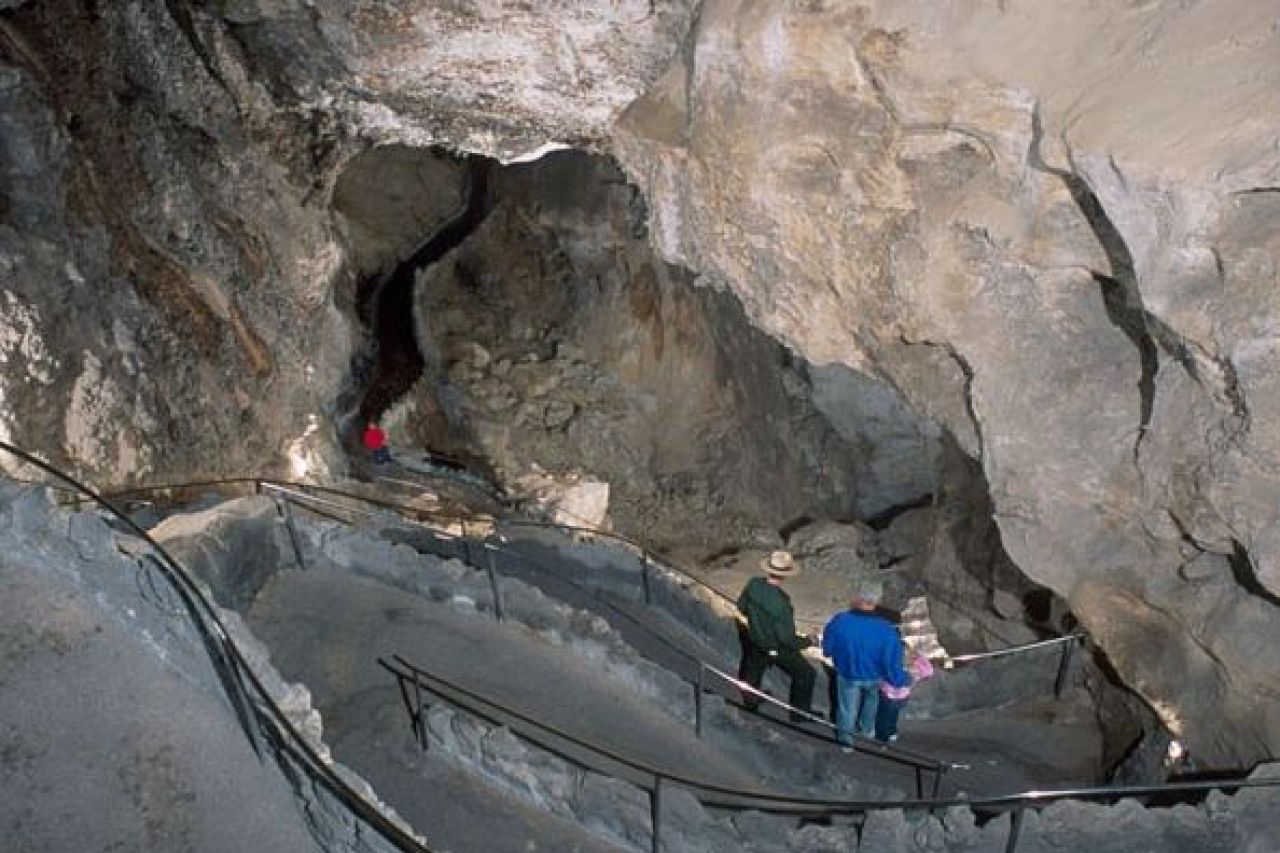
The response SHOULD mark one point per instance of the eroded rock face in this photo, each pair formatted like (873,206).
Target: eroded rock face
(553,337)
(1050,228)
(1071,208)
(165,271)
(501,78)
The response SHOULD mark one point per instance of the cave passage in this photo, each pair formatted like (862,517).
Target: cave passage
(386,301)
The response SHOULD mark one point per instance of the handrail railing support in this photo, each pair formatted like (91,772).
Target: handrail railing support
(644,578)
(282,507)
(697,700)
(493,581)
(655,813)
(1015,829)
(417,723)
(937,780)
(1064,666)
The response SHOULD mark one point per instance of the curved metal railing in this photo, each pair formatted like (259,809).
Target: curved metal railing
(648,562)
(241,676)
(653,779)
(249,698)
(875,749)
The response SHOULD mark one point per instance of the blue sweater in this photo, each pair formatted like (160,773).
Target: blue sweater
(865,647)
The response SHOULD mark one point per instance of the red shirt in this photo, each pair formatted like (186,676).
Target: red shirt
(374,438)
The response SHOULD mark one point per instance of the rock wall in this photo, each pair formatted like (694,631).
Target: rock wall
(167,262)
(114,721)
(555,340)
(1052,228)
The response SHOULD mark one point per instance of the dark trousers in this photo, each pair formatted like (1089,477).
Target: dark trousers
(755,661)
(887,717)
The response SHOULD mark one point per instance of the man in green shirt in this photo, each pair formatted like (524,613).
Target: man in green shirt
(770,637)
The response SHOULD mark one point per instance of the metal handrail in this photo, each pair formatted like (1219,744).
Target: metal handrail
(1013,650)
(737,799)
(1069,644)
(722,795)
(238,676)
(1015,803)
(863,744)
(643,552)
(648,559)
(882,751)
(293,489)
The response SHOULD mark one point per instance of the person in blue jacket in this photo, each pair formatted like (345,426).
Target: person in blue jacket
(866,650)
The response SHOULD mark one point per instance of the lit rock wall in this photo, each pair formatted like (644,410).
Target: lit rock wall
(175,290)
(166,264)
(1050,226)
(1067,215)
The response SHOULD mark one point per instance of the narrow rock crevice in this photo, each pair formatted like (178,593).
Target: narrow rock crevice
(386,302)
(1246,575)
(180,12)
(1130,318)
(1120,294)
(1212,372)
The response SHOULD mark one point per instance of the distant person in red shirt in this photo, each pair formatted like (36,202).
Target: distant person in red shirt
(375,441)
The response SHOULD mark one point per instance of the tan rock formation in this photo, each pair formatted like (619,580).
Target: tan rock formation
(1072,204)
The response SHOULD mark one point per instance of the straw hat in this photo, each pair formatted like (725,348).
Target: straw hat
(780,564)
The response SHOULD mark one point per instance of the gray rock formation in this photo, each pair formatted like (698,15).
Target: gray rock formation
(114,723)
(554,338)
(1051,229)
(165,266)
(1046,227)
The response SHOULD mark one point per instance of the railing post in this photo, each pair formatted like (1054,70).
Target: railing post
(282,507)
(697,699)
(937,781)
(644,578)
(414,708)
(1015,827)
(655,811)
(919,781)
(493,582)
(1064,665)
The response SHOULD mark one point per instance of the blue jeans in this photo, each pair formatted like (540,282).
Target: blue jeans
(856,700)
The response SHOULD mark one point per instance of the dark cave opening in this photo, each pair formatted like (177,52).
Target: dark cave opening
(385,301)
(533,329)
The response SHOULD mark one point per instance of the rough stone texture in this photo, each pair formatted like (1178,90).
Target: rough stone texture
(115,727)
(504,78)
(391,198)
(164,269)
(1062,216)
(553,338)
(1050,227)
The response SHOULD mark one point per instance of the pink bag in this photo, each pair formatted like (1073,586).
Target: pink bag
(919,668)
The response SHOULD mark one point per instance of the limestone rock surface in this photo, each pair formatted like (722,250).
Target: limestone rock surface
(1052,228)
